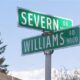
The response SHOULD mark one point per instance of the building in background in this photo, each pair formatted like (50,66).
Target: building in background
(7,77)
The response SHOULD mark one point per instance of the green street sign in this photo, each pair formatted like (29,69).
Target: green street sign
(59,39)
(30,19)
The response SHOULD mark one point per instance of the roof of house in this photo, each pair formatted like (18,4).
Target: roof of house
(7,77)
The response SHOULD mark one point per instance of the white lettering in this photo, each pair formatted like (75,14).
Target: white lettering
(55,24)
(43,42)
(26,46)
(48,43)
(40,47)
(32,47)
(30,19)
(42,21)
(35,44)
(36,20)
(55,39)
(62,39)
(49,22)
(23,14)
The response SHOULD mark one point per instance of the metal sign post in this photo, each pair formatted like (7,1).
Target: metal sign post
(47,54)
(48,64)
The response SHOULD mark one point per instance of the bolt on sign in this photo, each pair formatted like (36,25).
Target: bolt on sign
(59,39)
(30,19)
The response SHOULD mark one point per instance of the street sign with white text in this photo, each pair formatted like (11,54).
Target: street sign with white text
(30,19)
(59,39)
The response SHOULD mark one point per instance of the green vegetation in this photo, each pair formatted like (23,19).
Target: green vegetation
(3,67)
